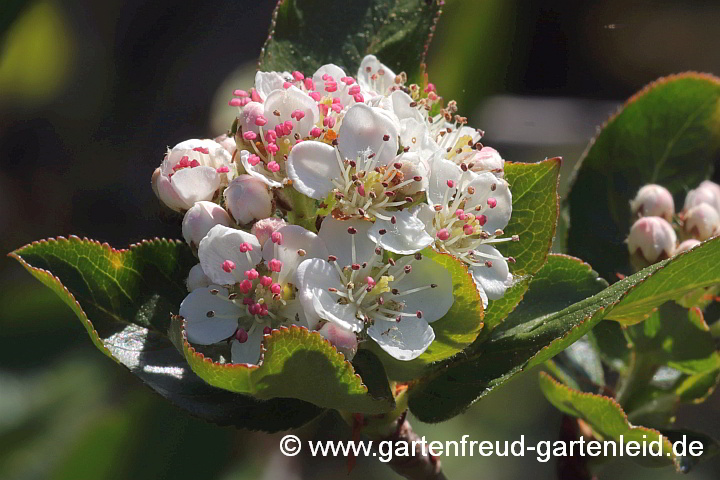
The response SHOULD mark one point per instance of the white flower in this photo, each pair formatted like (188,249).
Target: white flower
(265,227)
(652,238)
(653,201)
(191,172)
(248,198)
(701,221)
(200,218)
(251,290)
(464,216)
(267,82)
(362,171)
(393,302)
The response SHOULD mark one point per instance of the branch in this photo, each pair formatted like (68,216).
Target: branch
(416,466)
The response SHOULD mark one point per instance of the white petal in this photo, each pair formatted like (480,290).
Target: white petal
(249,351)
(312,166)
(492,280)
(407,235)
(197,278)
(167,194)
(433,302)
(412,166)
(339,242)
(441,171)
(266,82)
(205,330)
(401,106)
(331,69)
(294,238)
(337,73)
(498,216)
(195,184)
(371,65)
(257,171)
(313,278)
(364,128)
(425,214)
(404,340)
(416,136)
(223,243)
(285,102)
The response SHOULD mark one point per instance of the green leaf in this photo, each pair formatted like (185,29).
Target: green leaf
(678,338)
(580,367)
(306,34)
(453,333)
(536,331)
(671,280)
(668,133)
(534,213)
(607,420)
(530,330)
(295,363)
(611,344)
(124,299)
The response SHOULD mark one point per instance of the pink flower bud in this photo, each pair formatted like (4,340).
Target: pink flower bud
(200,219)
(653,201)
(702,221)
(265,227)
(687,245)
(652,238)
(248,199)
(707,192)
(228,143)
(345,341)
(247,120)
(487,159)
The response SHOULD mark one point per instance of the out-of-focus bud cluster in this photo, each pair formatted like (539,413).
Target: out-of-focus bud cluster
(659,233)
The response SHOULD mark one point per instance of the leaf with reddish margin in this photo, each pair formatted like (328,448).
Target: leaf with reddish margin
(668,133)
(538,332)
(129,295)
(295,363)
(398,32)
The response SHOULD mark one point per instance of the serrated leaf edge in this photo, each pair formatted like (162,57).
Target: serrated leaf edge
(612,402)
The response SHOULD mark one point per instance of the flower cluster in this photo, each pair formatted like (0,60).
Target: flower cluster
(389,175)
(659,233)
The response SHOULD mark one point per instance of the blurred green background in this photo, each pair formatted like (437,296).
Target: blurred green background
(91,93)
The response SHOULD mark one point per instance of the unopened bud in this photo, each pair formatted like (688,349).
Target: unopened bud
(343,339)
(487,159)
(687,245)
(702,221)
(228,143)
(707,192)
(265,227)
(247,120)
(653,201)
(652,238)
(200,219)
(248,199)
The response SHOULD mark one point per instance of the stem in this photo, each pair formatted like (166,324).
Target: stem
(638,375)
(417,466)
